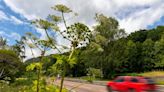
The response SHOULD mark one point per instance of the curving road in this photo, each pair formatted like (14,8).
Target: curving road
(83,87)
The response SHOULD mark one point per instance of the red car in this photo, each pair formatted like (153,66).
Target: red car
(131,84)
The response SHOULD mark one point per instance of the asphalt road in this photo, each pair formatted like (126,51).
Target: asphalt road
(83,87)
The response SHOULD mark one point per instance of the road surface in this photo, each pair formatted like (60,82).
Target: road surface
(84,87)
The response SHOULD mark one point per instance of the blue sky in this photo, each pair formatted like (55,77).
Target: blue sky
(131,14)
(157,23)
(13,25)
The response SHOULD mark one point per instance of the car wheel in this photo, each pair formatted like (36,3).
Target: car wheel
(132,90)
(109,89)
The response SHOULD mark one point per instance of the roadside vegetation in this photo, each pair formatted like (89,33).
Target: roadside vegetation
(102,53)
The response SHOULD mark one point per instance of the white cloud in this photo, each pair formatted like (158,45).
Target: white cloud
(141,19)
(122,3)
(3,16)
(42,33)
(36,52)
(31,8)
(12,35)
(131,14)
(2,32)
(14,5)
(15,20)
(133,21)
(28,53)
(61,41)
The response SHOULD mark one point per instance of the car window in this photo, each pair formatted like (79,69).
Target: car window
(150,81)
(119,79)
(134,80)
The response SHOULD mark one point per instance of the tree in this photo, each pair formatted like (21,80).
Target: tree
(108,28)
(105,32)
(155,34)
(148,55)
(10,65)
(19,49)
(138,36)
(3,43)
(159,53)
(133,55)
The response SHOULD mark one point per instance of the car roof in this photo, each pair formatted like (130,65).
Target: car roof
(131,76)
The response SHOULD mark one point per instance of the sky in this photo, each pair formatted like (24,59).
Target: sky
(132,15)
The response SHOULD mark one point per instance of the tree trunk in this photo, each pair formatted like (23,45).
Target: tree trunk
(38,79)
(2,72)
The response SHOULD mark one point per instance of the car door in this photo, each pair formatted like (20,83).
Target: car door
(134,84)
(119,84)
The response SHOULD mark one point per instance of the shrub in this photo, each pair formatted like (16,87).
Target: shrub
(96,73)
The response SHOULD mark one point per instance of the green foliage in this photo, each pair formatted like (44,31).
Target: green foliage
(19,48)
(148,52)
(138,52)
(108,27)
(62,60)
(104,51)
(22,82)
(3,43)
(62,8)
(23,85)
(55,18)
(78,33)
(139,36)
(6,88)
(10,65)
(33,66)
(96,73)
(37,83)
(44,24)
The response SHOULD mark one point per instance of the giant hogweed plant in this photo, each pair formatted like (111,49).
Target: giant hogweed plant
(78,34)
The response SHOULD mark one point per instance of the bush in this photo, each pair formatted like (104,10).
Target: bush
(22,85)
(4,87)
(160,82)
(96,73)
(93,73)
(153,74)
(22,82)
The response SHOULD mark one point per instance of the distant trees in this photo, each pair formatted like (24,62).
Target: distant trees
(138,52)
(104,34)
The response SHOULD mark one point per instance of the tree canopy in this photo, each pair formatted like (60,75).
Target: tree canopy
(10,65)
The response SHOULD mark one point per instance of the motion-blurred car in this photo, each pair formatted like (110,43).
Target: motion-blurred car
(131,84)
